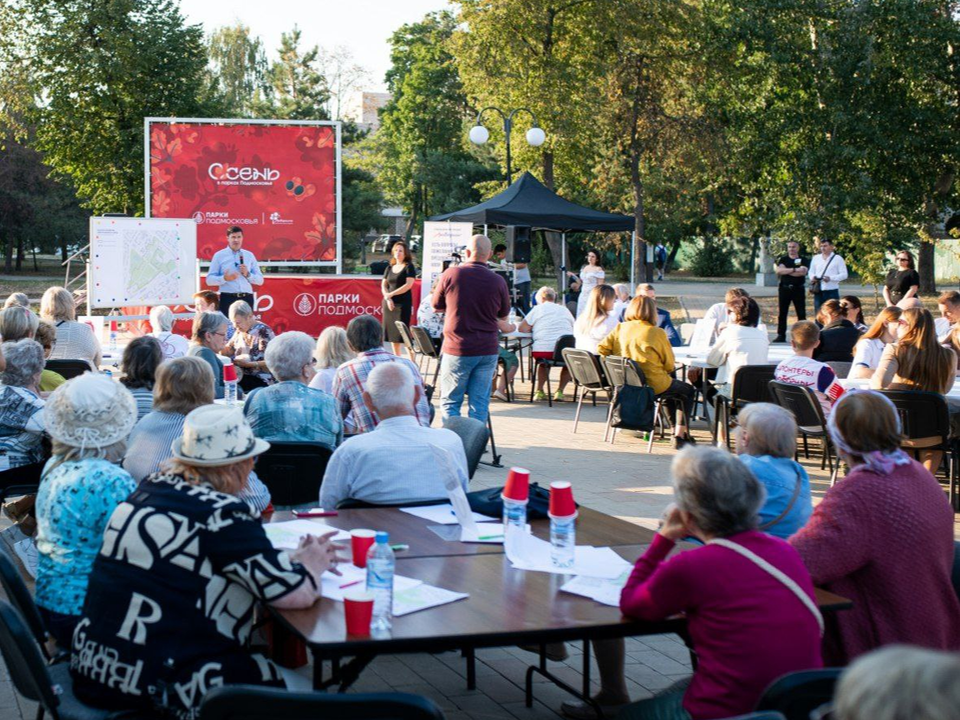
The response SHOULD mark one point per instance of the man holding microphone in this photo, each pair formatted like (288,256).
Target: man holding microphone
(234,271)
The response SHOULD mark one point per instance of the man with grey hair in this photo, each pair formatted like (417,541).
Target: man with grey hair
(476,304)
(289,410)
(548,322)
(21,418)
(398,462)
(365,337)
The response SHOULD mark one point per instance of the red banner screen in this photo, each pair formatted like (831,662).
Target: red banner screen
(277,182)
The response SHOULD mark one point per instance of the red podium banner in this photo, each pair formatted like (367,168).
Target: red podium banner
(278,182)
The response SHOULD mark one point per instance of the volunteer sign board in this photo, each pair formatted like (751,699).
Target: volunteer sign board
(278,180)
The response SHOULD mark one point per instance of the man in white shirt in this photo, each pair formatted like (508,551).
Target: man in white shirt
(548,322)
(829,270)
(234,271)
(802,369)
(400,461)
(949,305)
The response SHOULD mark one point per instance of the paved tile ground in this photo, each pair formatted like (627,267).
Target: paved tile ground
(620,479)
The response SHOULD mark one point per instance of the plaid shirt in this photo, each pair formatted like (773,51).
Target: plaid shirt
(348,390)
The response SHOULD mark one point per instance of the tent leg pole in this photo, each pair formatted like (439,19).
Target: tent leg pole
(484,228)
(633,264)
(563,261)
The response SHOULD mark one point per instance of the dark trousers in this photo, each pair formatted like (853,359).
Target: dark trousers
(787,294)
(228,299)
(523,296)
(821,297)
(59,626)
(680,395)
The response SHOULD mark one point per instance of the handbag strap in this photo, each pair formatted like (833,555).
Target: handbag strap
(788,508)
(776,573)
(827,266)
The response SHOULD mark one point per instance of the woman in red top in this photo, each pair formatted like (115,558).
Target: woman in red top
(749,601)
(883,537)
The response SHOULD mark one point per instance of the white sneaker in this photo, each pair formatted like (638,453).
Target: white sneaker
(500,395)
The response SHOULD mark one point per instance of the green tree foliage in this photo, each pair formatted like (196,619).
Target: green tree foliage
(419,148)
(95,71)
(299,90)
(362,203)
(236,77)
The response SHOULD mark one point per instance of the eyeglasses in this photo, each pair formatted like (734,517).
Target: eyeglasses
(903,259)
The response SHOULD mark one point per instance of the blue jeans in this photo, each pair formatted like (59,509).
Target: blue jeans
(821,297)
(472,376)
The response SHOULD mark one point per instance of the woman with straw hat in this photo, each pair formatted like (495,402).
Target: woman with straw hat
(88,418)
(183,566)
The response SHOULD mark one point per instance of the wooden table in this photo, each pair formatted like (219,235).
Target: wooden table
(505,607)
(593,528)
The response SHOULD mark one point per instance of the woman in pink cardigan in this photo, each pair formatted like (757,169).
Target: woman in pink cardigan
(749,601)
(883,537)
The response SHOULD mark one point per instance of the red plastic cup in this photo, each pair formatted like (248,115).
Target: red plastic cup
(360,543)
(230,373)
(561,500)
(518,485)
(358,611)
(114,326)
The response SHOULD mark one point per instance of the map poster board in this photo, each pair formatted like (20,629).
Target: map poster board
(279,180)
(440,241)
(141,261)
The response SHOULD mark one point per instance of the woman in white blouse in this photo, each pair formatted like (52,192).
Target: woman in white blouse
(591,275)
(161,322)
(867,352)
(740,343)
(75,340)
(597,320)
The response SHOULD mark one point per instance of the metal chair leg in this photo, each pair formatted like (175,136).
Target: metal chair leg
(606,429)
(580,391)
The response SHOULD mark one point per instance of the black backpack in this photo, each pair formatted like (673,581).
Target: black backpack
(633,409)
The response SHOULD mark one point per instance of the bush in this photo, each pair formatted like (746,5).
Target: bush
(712,258)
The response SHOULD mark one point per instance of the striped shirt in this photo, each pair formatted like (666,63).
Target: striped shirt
(150,444)
(76,341)
(144,398)
(348,389)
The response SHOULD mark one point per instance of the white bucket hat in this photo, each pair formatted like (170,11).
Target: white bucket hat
(90,411)
(216,435)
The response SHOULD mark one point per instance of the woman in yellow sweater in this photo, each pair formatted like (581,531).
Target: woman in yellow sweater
(639,339)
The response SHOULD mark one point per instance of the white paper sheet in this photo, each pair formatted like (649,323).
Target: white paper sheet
(606,592)
(335,586)
(442,514)
(532,553)
(286,535)
(421,597)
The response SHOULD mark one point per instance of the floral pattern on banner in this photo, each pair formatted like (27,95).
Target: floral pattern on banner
(277,182)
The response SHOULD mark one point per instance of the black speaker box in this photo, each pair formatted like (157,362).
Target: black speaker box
(518,243)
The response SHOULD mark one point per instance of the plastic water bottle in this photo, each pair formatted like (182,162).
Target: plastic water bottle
(514,522)
(380,568)
(513,317)
(563,540)
(230,391)
(113,337)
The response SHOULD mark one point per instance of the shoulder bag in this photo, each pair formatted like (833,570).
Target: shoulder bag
(793,499)
(815,283)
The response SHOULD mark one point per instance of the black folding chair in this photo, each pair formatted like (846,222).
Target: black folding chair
(806,409)
(588,377)
(244,702)
(50,686)
(21,598)
(797,694)
(23,480)
(751,383)
(624,371)
(424,345)
(68,368)
(293,471)
(474,435)
(564,341)
(925,425)
(407,339)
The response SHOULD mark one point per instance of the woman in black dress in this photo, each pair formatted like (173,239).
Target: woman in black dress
(397,299)
(903,281)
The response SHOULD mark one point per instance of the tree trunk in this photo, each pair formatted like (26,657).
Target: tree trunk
(8,255)
(63,248)
(926,266)
(642,269)
(554,241)
(926,257)
(19,254)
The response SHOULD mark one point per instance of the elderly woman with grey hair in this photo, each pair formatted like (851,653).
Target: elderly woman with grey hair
(290,410)
(744,641)
(22,422)
(161,322)
(899,682)
(17,299)
(766,444)
(18,323)
(75,340)
(209,338)
(248,345)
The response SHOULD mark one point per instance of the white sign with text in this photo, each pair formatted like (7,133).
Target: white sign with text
(440,241)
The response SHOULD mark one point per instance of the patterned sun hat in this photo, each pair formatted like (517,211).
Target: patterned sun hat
(216,435)
(90,411)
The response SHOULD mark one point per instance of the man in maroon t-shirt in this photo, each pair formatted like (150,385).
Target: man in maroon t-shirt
(476,303)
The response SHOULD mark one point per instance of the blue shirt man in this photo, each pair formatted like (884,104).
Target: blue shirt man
(234,271)
(663,317)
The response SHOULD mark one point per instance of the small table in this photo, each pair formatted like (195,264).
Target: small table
(593,528)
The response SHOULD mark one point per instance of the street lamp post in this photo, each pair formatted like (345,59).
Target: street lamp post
(535,135)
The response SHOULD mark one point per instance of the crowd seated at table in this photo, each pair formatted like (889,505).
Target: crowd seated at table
(135,458)
(664,321)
